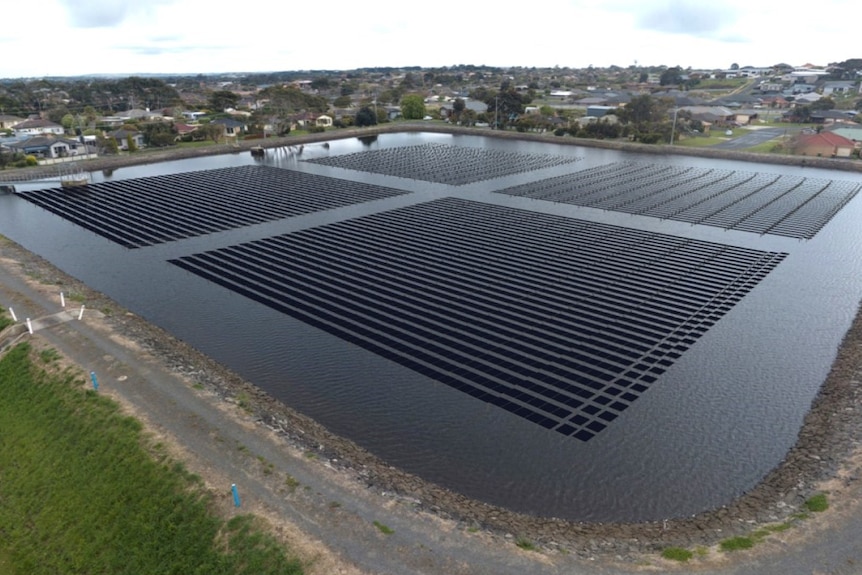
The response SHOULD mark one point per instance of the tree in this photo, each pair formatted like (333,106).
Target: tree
(90,115)
(671,76)
(644,109)
(506,106)
(413,107)
(823,104)
(221,100)
(458,106)
(409,81)
(365,117)
(159,134)
(212,132)
(68,122)
(342,102)
(321,83)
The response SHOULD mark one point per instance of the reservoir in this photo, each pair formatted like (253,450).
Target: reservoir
(559,330)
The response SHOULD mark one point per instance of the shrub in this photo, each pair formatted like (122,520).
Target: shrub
(677,554)
(817,503)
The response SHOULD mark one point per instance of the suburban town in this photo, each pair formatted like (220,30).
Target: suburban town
(803,110)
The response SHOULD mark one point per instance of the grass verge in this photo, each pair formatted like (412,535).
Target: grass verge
(736,543)
(83,491)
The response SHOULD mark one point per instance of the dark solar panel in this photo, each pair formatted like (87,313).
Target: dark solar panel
(444,164)
(792,206)
(544,316)
(147,211)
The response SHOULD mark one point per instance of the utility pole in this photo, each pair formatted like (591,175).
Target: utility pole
(673,127)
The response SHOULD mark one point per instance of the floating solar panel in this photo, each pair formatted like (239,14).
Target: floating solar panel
(444,164)
(562,322)
(791,206)
(146,211)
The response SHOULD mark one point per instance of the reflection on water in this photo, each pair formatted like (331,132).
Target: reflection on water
(707,429)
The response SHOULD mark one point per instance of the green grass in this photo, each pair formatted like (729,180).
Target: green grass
(817,503)
(5,321)
(49,355)
(383,528)
(83,491)
(526,544)
(677,554)
(180,145)
(291,482)
(736,543)
(773,146)
(699,141)
(76,297)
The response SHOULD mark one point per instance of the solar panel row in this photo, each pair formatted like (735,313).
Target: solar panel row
(792,206)
(560,321)
(147,211)
(444,164)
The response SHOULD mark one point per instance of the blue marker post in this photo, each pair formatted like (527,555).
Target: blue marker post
(95,381)
(235,494)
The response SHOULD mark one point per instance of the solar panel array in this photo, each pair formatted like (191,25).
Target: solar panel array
(791,206)
(560,321)
(444,164)
(148,211)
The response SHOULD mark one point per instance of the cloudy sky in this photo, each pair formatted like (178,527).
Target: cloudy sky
(73,37)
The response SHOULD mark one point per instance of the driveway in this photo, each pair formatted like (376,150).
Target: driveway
(752,138)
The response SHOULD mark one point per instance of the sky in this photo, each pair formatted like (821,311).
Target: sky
(126,37)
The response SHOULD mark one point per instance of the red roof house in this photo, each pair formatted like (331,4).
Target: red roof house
(825,144)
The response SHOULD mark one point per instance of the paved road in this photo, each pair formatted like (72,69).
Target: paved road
(752,138)
(225,446)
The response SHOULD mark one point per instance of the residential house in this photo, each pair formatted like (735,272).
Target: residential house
(600,111)
(774,102)
(851,132)
(308,119)
(193,116)
(38,126)
(183,129)
(8,122)
(49,147)
(591,101)
(323,121)
(767,86)
(138,114)
(832,116)
(825,144)
(840,88)
(124,136)
(232,128)
(804,99)
(714,115)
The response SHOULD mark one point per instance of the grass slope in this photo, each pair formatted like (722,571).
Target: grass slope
(81,493)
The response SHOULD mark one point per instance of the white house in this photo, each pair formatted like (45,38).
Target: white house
(36,127)
(49,147)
